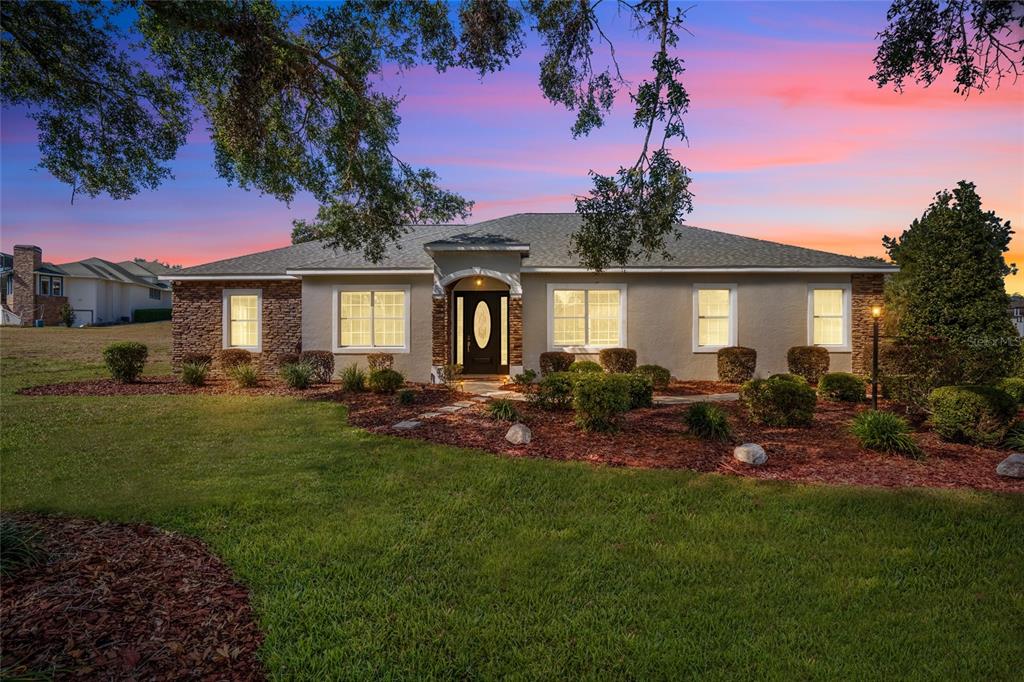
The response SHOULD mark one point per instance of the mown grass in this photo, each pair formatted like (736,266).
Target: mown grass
(370,556)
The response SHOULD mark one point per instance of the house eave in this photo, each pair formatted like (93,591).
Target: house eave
(683,270)
(223,278)
(360,271)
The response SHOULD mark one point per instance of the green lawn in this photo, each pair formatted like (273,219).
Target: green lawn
(370,556)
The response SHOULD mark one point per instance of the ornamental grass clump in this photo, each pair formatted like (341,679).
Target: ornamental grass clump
(503,410)
(353,379)
(194,373)
(810,362)
(19,547)
(600,400)
(297,375)
(384,381)
(1014,438)
(779,401)
(584,366)
(972,414)
(842,387)
(736,364)
(707,422)
(885,432)
(125,360)
(659,376)
(406,396)
(245,376)
(618,360)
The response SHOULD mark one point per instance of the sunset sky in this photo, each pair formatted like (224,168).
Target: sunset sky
(788,141)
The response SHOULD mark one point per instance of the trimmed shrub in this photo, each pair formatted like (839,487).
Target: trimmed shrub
(125,360)
(736,364)
(641,391)
(380,361)
(618,360)
(352,378)
(659,376)
(406,396)
(233,357)
(972,414)
(779,401)
(297,375)
(503,410)
(885,432)
(245,376)
(910,370)
(842,387)
(151,314)
(554,391)
(197,358)
(19,547)
(287,359)
(524,378)
(789,377)
(384,380)
(707,422)
(67,315)
(600,400)
(450,375)
(555,361)
(810,362)
(1014,438)
(322,362)
(1015,387)
(584,366)
(194,373)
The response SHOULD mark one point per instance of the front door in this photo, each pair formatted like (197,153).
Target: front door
(481,331)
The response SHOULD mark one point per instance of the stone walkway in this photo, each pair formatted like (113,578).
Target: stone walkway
(483,391)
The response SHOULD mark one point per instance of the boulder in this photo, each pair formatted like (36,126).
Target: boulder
(518,434)
(1012,466)
(750,453)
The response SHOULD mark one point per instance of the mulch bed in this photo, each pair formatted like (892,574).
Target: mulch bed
(656,438)
(126,602)
(171,385)
(674,388)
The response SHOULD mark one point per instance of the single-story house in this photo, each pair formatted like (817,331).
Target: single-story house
(495,295)
(98,290)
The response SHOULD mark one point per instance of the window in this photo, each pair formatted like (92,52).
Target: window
(154,294)
(714,317)
(50,285)
(586,316)
(828,315)
(10,284)
(372,317)
(243,318)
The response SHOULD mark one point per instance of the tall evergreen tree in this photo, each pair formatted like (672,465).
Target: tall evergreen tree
(950,284)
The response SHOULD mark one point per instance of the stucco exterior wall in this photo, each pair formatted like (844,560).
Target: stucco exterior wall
(771,318)
(318,320)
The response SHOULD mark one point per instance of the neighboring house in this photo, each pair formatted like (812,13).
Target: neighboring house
(99,291)
(495,295)
(1017,313)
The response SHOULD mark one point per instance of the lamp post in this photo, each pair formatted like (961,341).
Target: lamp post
(876,313)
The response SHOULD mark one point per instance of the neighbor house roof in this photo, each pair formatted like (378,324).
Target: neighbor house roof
(544,240)
(97,268)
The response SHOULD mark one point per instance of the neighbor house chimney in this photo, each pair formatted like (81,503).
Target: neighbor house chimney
(27,259)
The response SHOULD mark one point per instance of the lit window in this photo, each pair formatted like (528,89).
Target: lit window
(244,321)
(828,323)
(374,318)
(714,317)
(587,316)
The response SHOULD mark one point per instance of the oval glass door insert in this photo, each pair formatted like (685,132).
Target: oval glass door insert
(482,324)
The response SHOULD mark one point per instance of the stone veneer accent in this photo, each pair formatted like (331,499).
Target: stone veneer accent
(27,304)
(440,348)
(867,291)
(515,331)
(198,314)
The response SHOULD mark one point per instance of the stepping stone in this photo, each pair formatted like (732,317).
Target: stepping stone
(428,415)
(464,403)
(449,409)
(480,399)
(498,394)
(406,425)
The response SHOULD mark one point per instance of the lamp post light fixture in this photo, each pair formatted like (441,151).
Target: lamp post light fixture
(876,314)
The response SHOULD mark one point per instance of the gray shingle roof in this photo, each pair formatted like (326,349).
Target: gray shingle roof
(548,236)
(97,268)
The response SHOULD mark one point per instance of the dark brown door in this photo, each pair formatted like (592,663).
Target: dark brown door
(481,332)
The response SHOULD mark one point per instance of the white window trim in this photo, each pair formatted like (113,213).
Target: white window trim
(845,346)
(336,317)
(587,349)
(733,316)
(226,318)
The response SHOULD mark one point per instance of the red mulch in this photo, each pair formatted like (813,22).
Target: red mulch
(698,388)
(170,385)
(656,438)
(126,602)
(371,409)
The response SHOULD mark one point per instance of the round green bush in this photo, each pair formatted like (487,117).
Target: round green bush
(972,414)
(810,362)
(1015,387)
(583,366)
(885,432)
(789,377)
(707,422)
(125,360)
(779,401)
(233,357)
(620,360)
(659,376)
(600,400)
(554,391)
(322,364)
(406,396)
(842,387)
(736,364)
(384,380)
(298,375)
(555,361)
(641,391)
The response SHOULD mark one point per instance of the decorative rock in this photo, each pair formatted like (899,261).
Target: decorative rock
(428,415)
(1012,466)
(750,453)
(406,425)
(464,403)
(519,434)
(449,409)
